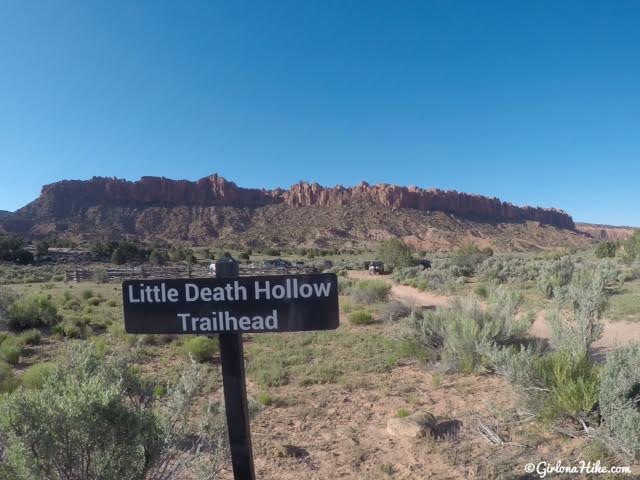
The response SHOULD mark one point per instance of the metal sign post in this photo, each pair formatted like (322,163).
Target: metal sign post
(228,306)
(235,390)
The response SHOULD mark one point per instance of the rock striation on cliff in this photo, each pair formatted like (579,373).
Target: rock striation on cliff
(70,197)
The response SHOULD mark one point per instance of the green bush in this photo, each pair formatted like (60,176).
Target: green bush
(30,312)
(361,318)
(619,394)
(201,349)
(572,385)
(11,350)
(158,257)
(100,275)
(370,291)
(31,337)
(481,291)
(466,259)
(395,253)
(575,318)
(94,419)
(8,381)
(86,294)
(463,336)
(556,275)
(36,375)
(606,249)
(393,311)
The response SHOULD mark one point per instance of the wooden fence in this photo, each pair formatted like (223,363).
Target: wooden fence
(181,271)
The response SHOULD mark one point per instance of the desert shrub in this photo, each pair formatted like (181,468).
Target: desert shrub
(509,269)
(516,361)
(201,349)
(264,399)
(345,285)
(72,304)
(118,257)
(97,419)
(466,259)
(606,249)
(618,397)
(100,275)
(12,249)
(87,293)
(30,312)
(395,254)
(272,252)
(556,275)
(7,299)
(11,350)
(481,291)
(36,375)
(8,381)
(571,384)
(361,318)
(94,301)
(393,311)
(370,291)
(575,318)
(463,335)
(31,337)
(402,275)
(158,257)
(443,280)
(631,247)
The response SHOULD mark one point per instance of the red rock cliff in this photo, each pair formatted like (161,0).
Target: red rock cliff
(69,196)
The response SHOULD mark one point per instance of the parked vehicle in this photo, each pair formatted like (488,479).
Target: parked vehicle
(376,268)
(277,263)
(425,263)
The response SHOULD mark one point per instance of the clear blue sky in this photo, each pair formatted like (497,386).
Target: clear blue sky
(536,102)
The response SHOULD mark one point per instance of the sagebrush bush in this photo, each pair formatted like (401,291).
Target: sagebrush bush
(345,285)
(11,350)
(370,291)
(575,318)
(556,275)
(619,398)
(467,258)
(201,349)
(31,312)
(31,337)
(394,310)
(463,334)
(509,269)
(36,375)
(95,418)
(361,318)
(8,381)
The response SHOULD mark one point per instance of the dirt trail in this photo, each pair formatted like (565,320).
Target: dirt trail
(410,296)
(615,334)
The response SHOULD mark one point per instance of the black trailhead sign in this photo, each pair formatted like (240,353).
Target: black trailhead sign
(207,306)
(229,306)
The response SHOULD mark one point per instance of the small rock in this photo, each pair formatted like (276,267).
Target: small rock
(414,426)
